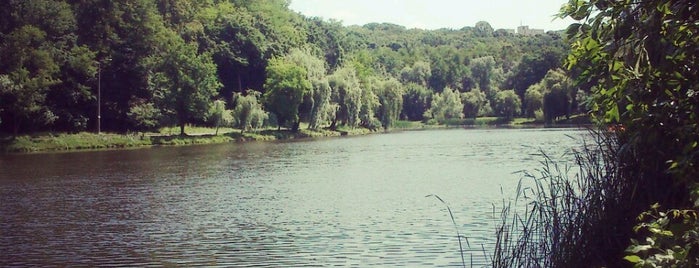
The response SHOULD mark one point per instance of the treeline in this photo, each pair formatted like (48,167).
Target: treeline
(154,63)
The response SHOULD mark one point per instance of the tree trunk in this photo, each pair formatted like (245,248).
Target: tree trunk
(333,124)
(182,129)
(15,127)
(295,127)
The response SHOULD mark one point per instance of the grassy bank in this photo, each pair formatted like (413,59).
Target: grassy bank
(53,142)
(50,142)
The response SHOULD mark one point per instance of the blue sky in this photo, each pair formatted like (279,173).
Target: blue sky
(434,14)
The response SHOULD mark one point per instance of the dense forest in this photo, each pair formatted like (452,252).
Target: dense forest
(143,64)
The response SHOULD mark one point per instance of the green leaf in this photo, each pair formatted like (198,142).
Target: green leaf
(613,114)
(639,248)
(633,258)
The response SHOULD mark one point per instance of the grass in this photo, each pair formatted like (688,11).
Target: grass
(195,130)
(79,141)
(190,140)
(169,136)
(567,221)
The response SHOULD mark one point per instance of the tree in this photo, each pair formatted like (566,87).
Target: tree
(183,82)
(370,102)
(238,46)
(449,69)
(641,57)
(126,37)
(559,94)
(419,74)
(329,36)
(248,113)
(144,115)
(286,85)
(474,103)
(416,100)
(532,68)
(391,98)
(483,29)
(219,114)
(507,104)
(316,103)
(31,70)
(486,75)
(347,93)
(533,100)
(445,105)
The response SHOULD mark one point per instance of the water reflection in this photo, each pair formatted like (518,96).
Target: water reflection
(336,202)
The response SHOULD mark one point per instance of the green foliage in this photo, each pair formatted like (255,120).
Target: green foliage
(646,80)
(671,239)
(445,105)
(419,73)
(532,68)
(144,115)
(507,104)
(183,82)
(146,51)
(219,115)
(330,38)
(323,111)
(28,70)
(533,101)
(286,86)
(248,113)
(486,75)
(475,103)
(636,58)
(390,93)
(316,107)
(484,29)
(370,103)
(347,93)
(416,100)
(559,93)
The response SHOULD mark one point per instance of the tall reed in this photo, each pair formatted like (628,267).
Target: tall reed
(567,215)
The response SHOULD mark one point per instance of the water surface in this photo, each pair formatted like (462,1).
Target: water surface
(355,201)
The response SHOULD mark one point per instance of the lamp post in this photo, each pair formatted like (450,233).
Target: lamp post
(99,97)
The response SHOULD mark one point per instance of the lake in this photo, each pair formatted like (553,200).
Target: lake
(350,201)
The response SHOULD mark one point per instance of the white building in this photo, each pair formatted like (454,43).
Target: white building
(524,30)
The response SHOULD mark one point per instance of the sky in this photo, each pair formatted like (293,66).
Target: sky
(435,14)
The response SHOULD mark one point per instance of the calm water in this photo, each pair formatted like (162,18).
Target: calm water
(357,201)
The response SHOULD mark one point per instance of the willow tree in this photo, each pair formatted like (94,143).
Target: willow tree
(445,105)
(390,93)
(248,113)
(347,93)
(286,86)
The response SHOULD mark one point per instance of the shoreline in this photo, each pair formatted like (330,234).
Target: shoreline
(84,141)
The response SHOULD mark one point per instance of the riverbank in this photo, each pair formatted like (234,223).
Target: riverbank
(56,142)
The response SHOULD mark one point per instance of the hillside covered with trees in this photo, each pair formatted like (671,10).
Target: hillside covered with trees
(143,64)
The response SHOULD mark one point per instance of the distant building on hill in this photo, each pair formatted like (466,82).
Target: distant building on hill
(524,30)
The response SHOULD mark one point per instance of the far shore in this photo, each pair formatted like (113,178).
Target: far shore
(84,141)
